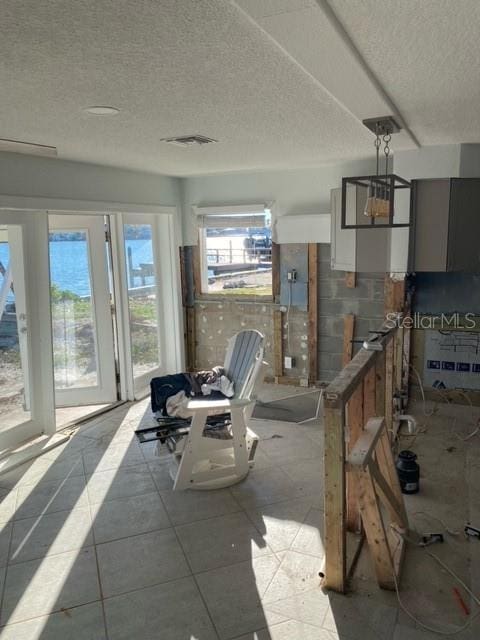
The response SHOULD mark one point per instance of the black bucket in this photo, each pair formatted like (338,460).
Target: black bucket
(408,472)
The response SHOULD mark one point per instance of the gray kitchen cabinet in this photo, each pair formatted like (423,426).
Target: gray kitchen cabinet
(445,234)
(362,250)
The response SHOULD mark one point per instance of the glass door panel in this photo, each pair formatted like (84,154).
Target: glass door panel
(73,321)
(142,285)
(26,369)
(15,401)
(83,347)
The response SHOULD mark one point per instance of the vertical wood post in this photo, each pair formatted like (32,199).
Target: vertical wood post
(277,343)
(355,423)
(380,384)
(369,396)
(335,531)
(312,313)
(354,420)
(389,375)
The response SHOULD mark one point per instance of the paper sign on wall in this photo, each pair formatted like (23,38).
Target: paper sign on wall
(452,360)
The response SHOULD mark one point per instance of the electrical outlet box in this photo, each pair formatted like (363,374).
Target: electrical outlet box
(292,275)
(289,362)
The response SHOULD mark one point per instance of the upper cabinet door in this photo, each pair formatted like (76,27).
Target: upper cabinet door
(464,226)
(430,231)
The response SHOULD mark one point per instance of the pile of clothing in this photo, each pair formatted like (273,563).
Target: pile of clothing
(170,394)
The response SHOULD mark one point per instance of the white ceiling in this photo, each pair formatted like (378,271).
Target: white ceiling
(272,80)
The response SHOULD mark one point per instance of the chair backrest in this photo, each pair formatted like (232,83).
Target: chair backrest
(243,361)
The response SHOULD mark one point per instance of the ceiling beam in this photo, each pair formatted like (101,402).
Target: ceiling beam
(346,39)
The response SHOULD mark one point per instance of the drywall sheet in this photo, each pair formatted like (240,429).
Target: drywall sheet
(304,229)
(452,360)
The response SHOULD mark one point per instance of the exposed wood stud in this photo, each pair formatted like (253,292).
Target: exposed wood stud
(350,279)
(371,462)
(277,343)
(389,362)
(375,529)
(312,313)
(348,331)
(275,271)
(380,385)
(369,395)
(334,508)
(197,276)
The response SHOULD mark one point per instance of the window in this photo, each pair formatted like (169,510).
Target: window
(236,251)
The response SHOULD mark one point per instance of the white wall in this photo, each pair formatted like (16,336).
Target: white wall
(298,191)
(441,161)
(28,176)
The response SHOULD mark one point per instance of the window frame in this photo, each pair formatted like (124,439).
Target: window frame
(201,255)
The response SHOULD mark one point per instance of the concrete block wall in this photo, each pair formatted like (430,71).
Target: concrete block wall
(335,300)
(295,342)
(217,321)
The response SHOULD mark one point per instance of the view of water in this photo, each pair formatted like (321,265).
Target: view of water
(69,263)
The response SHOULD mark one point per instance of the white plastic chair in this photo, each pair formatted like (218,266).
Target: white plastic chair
(202,462)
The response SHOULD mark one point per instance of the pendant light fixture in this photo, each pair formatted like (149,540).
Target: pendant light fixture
(375,194)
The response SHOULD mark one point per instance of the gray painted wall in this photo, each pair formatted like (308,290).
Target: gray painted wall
(29,176)
(335,300)
(470,161)
(299,191)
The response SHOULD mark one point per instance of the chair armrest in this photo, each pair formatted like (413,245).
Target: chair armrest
(228,403)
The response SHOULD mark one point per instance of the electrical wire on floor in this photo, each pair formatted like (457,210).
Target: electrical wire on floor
(429,414)
(444,394)
(412,616)
(428,515)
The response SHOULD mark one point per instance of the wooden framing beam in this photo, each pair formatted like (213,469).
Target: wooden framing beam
(350,279)
(354,418)
(380,384)
(389,367)
(369,393)
(275,271)
(197,275)
(312,313)
(362,452)
(355,424)
(334,508)
(348,332)
(277,343)
(342,388)
(375,529)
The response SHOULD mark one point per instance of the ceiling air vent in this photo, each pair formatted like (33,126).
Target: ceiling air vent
(189,141)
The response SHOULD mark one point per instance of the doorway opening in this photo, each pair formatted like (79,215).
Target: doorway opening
(90,311)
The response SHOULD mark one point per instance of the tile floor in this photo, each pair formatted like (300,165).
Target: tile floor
(94,544)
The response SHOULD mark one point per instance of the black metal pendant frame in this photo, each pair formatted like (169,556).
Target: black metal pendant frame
(391,183)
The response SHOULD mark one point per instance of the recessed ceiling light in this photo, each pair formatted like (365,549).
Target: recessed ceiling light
(102,111)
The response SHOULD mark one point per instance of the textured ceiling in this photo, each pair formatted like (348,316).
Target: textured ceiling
(426,53)
(270,79)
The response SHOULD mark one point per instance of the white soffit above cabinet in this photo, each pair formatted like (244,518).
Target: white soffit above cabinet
(302,228)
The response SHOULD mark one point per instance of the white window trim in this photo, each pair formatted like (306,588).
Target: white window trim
(223,210)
